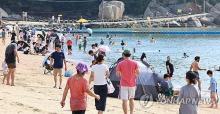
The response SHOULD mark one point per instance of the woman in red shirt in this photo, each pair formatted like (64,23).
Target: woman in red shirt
(79,88)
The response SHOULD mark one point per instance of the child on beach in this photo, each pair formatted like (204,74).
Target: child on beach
(79,88)
(5,71)
(213,89)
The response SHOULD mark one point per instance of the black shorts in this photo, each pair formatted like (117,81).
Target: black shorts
(69,47)
(102,91)
(11,65)
(79,112)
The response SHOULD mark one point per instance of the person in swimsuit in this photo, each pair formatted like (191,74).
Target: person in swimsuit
(195,68)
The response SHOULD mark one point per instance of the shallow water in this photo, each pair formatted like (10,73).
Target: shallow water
(205,46)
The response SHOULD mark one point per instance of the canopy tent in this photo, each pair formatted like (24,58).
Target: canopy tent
(82,20)
(146,82)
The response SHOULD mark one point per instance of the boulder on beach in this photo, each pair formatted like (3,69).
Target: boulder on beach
(111,10)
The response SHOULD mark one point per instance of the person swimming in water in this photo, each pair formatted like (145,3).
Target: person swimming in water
(152,40)
(122,44)
(185,55)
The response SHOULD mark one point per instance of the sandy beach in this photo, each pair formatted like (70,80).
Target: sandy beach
(33,93)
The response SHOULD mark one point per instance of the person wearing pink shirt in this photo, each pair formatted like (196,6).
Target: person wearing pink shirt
(128,71)
(79,88)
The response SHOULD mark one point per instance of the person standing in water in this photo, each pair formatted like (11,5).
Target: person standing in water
(169,67)
(122,44)
(195,68)
(84,44)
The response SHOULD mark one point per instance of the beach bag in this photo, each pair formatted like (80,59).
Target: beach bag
(110,86)
(68,73)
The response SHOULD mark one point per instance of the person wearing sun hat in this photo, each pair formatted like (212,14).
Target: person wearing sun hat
(79,88)
(128,71)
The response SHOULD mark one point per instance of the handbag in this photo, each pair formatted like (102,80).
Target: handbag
(111,88)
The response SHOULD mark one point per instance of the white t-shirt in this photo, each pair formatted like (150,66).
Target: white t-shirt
(100,74)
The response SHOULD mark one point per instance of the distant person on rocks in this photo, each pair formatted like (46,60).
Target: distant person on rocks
(128,71)
(58,58)
(79,88)
(169,67)
(195,68)
(10,59)
(189,95)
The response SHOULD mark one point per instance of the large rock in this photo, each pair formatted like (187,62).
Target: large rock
(215,14)
(154,9)
(3,13)
(111,10)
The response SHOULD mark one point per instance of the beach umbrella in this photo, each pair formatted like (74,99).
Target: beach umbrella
(104,48)
(81,20)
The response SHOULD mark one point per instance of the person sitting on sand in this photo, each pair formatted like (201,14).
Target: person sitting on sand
(189,95)
(79,88)
(5,71)
(58,58)
(213,88)
(166,85)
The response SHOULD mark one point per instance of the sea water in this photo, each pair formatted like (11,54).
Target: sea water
(205,46)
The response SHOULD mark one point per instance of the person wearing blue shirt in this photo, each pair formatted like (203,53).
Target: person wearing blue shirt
(213,89)
(57,60)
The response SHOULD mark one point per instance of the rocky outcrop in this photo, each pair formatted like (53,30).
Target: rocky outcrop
(154,9)
(215,14)
(112,10)
(3,13)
